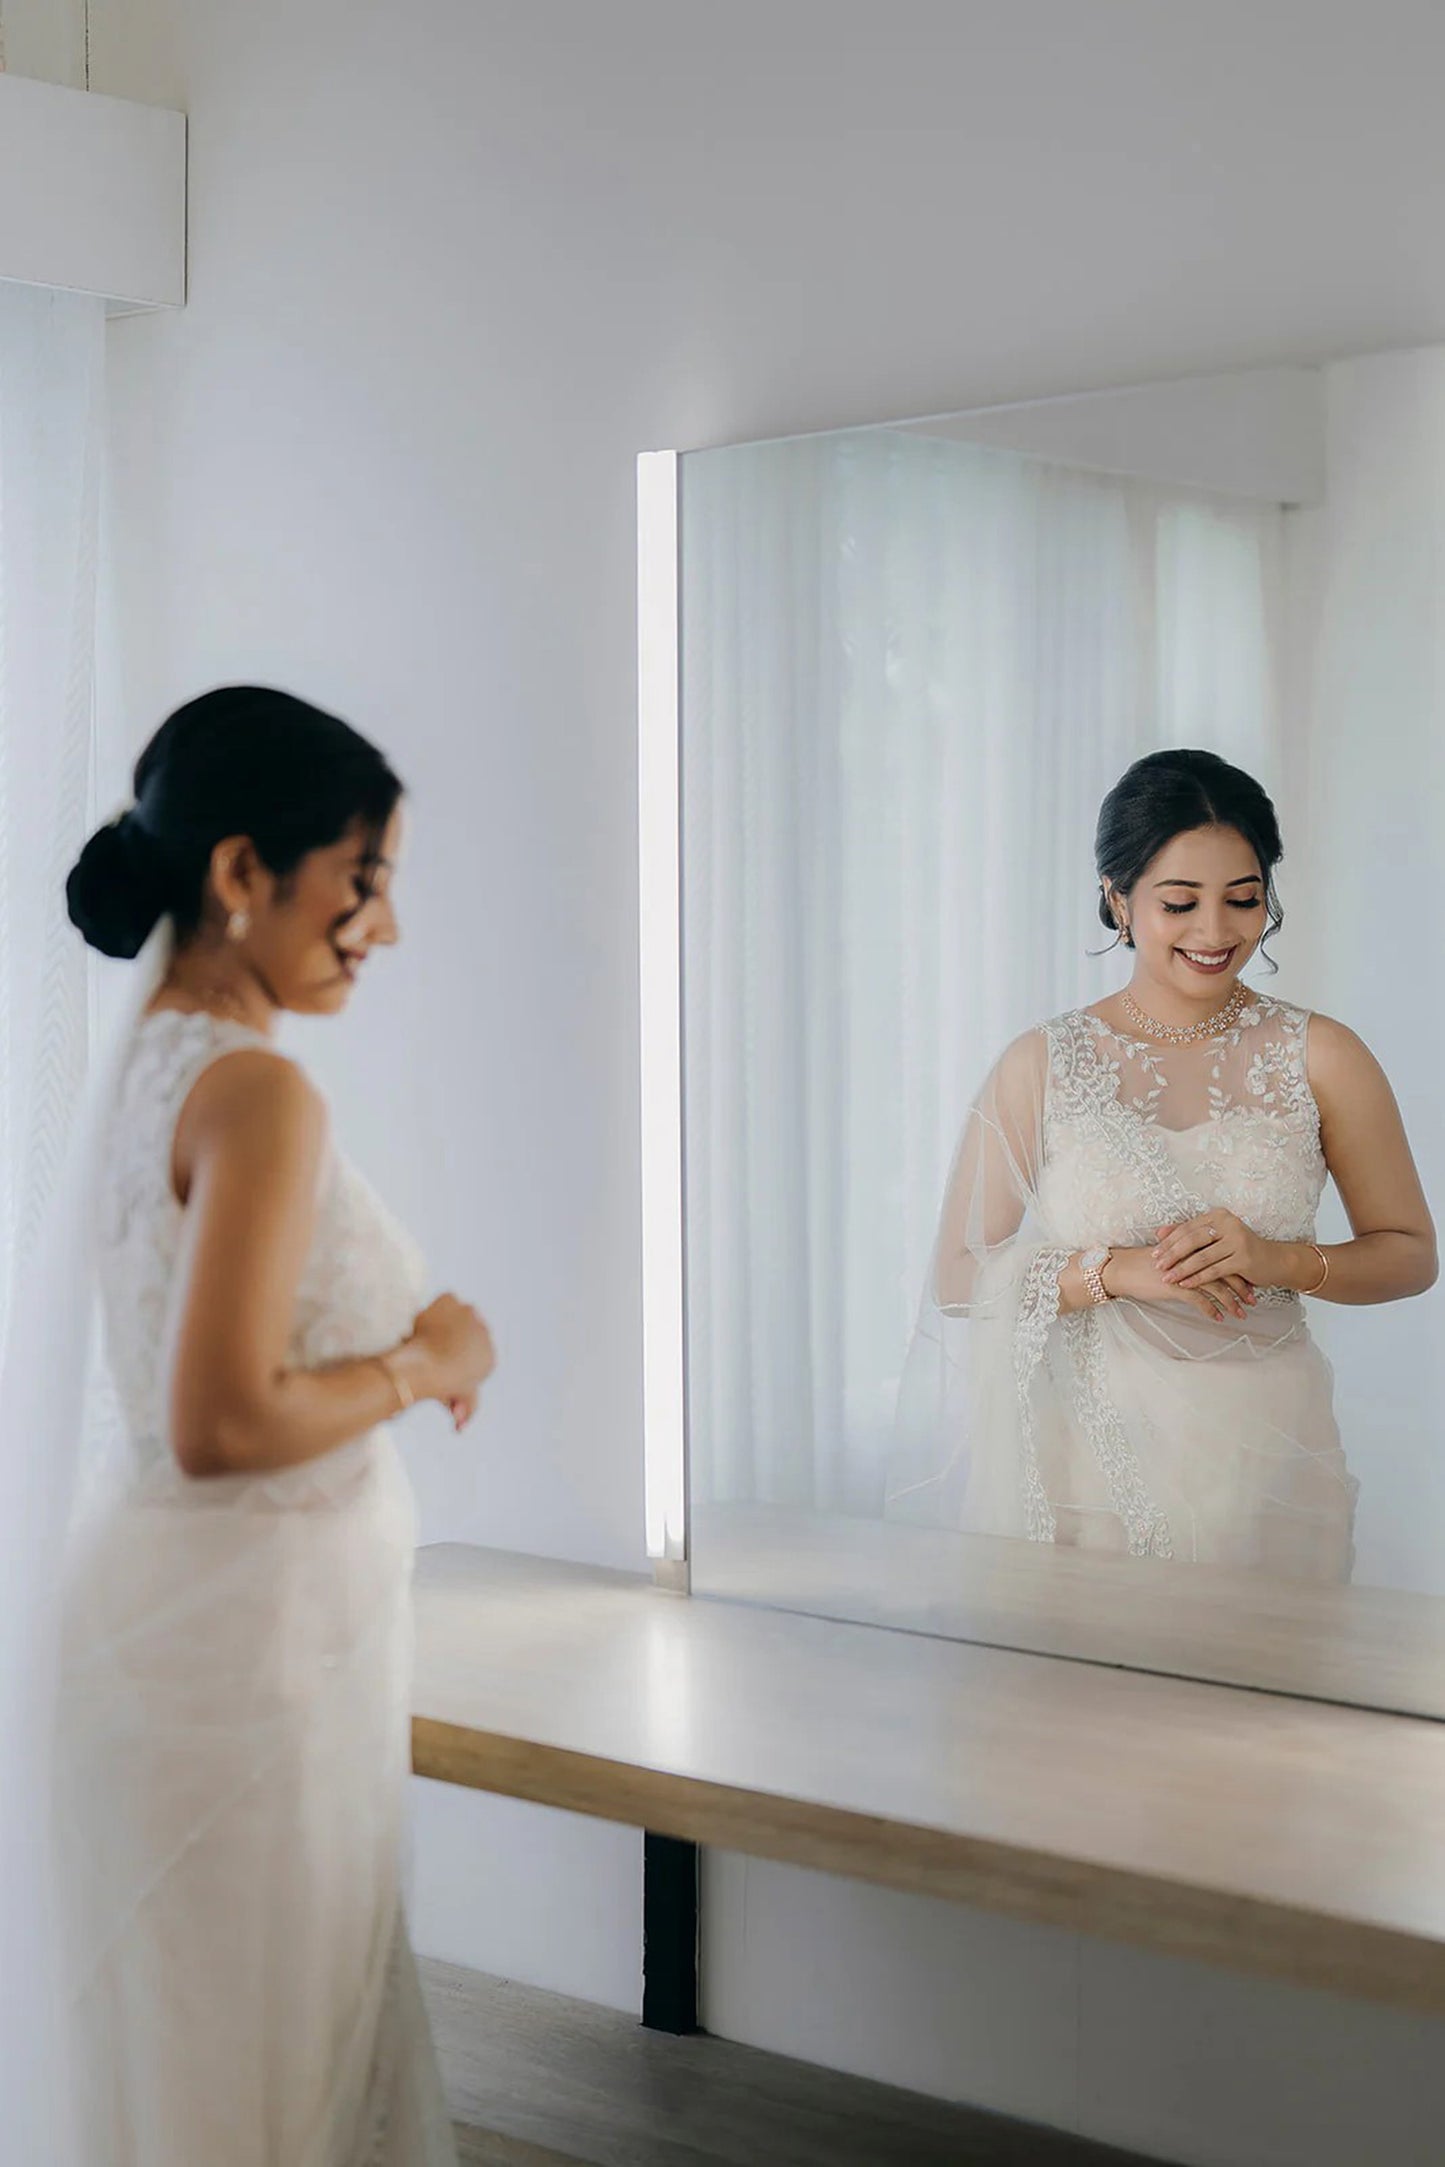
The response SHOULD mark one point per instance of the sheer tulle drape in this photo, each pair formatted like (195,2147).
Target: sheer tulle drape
(911,668)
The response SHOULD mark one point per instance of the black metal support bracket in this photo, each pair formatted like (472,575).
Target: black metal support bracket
(669,1934)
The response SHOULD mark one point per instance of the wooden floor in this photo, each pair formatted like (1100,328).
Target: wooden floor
(536,2080)
(480,2148)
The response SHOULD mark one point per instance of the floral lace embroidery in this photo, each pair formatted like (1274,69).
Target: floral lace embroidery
(139,1219)
(1088,1119)
(1116,1170)
(1037,1314)
(360,1288)
(1278,1075)
(1244,1136)
(1146,1527)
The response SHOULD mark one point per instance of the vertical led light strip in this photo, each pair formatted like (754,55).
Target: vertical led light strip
(660,950)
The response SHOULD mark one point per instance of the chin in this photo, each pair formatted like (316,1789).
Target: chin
(328,1000)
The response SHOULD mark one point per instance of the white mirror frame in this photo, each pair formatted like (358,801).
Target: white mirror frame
(664,1359)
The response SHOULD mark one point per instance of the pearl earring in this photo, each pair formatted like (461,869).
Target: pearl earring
(238,925)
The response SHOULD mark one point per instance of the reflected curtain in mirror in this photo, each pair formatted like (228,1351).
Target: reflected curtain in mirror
(911,669)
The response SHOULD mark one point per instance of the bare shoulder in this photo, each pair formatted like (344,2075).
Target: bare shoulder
(1343,1072)
(1336,1050)
(252,1101)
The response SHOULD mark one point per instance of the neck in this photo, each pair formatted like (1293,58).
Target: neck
(213,977)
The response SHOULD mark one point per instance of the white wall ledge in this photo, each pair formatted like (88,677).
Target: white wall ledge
(92,194)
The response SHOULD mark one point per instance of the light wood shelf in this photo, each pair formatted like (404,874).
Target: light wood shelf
(1285,1837)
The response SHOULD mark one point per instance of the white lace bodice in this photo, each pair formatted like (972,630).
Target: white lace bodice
(362,1285)
(1137,1136)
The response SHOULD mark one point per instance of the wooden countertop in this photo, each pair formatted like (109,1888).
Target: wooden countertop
(1287,1837)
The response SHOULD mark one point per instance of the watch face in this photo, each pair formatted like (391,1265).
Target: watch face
(1095,1260)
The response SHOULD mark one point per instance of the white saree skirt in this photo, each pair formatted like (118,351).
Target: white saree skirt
(233,1763)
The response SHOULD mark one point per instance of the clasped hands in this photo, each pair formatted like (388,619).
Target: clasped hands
(1214,1262)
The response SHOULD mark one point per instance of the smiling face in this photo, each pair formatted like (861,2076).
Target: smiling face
(1196,915)
(308,936)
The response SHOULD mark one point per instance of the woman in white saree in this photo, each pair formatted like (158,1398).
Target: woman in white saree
(1114,1352)
(234,1636)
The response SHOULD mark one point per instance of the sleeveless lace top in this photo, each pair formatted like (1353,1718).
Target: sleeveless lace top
(1138,1136)
(360,1291)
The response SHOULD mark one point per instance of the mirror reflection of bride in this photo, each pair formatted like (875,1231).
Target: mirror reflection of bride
(1114,1351)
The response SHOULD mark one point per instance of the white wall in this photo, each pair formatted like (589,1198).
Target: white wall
(1165,2057)
(452,267)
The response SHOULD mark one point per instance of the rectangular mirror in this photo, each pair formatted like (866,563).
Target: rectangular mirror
(915,661)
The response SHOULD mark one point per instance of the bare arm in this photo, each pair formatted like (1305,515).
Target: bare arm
(1393,1253)
(248,1160)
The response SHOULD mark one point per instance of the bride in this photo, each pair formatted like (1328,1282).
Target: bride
(233,1667)
(1114,1352)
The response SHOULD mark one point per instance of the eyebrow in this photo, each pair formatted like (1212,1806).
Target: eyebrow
(1245,880)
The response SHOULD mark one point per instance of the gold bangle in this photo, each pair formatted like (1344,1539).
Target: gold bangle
(1324,1275)
(406,1398)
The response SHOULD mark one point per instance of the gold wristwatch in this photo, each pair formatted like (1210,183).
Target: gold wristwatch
(1093,1264)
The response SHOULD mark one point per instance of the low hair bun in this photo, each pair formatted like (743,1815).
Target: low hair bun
(117,892)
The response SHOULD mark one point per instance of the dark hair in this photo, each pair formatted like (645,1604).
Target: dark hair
(1168,794)
(244,760)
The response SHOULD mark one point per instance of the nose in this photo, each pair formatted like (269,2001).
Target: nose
(380,924)
(1215,933)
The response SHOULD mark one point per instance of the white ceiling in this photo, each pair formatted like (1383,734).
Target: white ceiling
(1037,196)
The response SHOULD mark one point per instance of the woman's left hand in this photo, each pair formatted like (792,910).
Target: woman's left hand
(1216,1245)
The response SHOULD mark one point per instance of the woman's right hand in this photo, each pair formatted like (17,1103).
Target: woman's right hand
(1131,1275)
(453,1351)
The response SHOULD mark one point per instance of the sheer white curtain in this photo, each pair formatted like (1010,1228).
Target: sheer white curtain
(1365,884)
(51,375)
(51,356)
(911,669)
